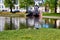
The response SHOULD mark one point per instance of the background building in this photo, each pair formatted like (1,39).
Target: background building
(16,4)
(2,6)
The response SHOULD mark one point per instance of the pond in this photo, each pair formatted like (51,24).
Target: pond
(16,23)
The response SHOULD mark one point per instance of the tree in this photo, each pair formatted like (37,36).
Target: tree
(56,6)
(25,3)
(9,3)
(46,6)
(58,3)
(52,4)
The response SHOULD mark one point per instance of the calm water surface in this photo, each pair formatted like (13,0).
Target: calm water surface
(16,23)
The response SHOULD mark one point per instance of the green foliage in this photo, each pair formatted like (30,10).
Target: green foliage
(8,3)
(58,3)
(24,3)
(51,3)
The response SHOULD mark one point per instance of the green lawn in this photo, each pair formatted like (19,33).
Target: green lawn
(52,14)
(33,34)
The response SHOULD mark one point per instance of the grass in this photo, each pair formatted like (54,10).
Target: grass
(23,14)
(33,34)
(52,14)
(8,14)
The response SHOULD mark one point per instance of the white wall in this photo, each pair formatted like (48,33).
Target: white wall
(2,6)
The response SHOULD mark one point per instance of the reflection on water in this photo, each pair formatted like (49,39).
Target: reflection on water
(16,23)
(2,22)
(5,22)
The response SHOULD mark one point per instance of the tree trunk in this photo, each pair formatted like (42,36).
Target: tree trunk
(47,8)
(26,9)
(56,6)
(10,9)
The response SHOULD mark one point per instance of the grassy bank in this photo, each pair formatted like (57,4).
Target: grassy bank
(33,34)
(52,14)
(23,14)
(8,14)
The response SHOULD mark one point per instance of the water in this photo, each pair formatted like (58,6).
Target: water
(5,23)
